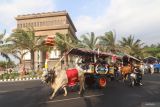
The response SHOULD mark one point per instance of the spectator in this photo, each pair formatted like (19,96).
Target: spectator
(152,68)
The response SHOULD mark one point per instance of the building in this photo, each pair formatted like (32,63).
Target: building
(46,24)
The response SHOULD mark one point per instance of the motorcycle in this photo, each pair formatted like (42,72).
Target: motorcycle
(135,79)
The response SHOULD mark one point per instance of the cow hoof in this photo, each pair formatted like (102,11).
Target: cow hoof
(50,98)
(65,95)
(79,92)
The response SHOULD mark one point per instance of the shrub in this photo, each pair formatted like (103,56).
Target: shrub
(5,76)
(1,76)
(13,75)
(39,73)
(9,76)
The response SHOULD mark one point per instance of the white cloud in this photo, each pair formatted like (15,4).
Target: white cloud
(138,17)
(86,24)
(10,9)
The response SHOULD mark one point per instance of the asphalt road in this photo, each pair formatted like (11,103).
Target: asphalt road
(36,94)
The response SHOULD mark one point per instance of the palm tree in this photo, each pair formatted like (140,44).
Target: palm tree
(25,40)
(17,52)
(2,43)
(131,46)
(89,41)
(152,50)
(65,43)
(108,41)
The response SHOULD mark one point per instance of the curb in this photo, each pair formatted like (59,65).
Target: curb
(20,79)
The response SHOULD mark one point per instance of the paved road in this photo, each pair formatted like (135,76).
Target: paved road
(36,94)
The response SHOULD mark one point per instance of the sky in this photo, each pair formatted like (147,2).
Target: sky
(140,18)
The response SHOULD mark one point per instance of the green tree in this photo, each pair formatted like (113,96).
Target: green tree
(152,50)
(3,64)
(89,41)
(64,43)
(132,46)
(108,41)
(25,40)
(2,43)
(7,64)
(12,49)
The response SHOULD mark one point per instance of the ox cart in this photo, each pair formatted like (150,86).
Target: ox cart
(97,71)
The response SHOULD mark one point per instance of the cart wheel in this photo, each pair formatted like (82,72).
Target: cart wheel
(102,82)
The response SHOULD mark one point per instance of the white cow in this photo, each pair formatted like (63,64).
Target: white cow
(60,80)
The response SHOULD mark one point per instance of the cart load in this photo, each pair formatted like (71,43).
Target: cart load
(97,71)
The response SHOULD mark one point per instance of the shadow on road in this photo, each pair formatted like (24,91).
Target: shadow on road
(87,102)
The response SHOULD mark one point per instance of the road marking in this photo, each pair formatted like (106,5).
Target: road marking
(1,92)
(153,82)
(54,101)
(150,104)
(7,91)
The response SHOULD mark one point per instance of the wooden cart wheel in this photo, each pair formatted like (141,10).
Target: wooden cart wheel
(102,82)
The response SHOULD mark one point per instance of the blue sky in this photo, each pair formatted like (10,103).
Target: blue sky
(140,18)
(82,7)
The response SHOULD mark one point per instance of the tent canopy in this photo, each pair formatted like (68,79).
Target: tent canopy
(151,59)
(84,52)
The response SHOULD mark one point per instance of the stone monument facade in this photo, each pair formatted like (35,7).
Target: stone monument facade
(46,24)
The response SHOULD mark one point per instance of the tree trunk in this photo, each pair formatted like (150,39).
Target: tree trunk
(62,61)
(32,59)
(22,70)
